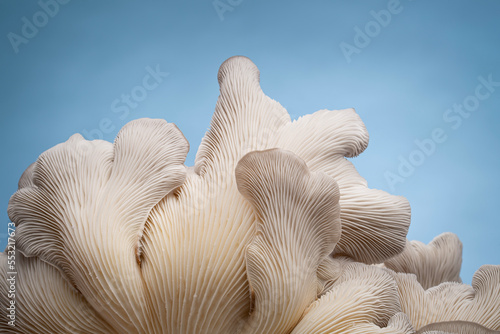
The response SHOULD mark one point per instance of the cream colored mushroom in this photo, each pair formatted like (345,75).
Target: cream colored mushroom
(455,327)
(85,208)
(363,300)
(438,262)
(299,226)
(196,233)
(245,241)
(330,270)
(374,223)
(478,303)
(44,302)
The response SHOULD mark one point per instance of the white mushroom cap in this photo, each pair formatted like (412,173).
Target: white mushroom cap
(455,327)
(26,179)
(330,270)
(198,235)
(260,236)
(374,223)
(39,286)
(363,300)
(299,225)
(478,303)
(85,208)
(438,262)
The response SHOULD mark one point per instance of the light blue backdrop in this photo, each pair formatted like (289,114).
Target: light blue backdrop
(407,67)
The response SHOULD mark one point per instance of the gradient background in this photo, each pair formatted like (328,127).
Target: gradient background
(426,59)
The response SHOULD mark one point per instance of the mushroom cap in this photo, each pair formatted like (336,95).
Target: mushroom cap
(208,208)
(298,227)
(439,261)
(330,270)
(455,327)
(84,211)
(374,223)
(40,286)
(363,300)
(271,231)
(448,301)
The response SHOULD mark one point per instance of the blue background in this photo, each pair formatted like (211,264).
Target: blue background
(425,60)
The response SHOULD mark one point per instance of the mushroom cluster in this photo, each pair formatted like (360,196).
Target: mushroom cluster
(272,231)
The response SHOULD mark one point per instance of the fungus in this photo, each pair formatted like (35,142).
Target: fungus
(455,327)
(84,210)
(56,308)
(271,231)
(363,300)
(438,262)
(450,301)
(298,227)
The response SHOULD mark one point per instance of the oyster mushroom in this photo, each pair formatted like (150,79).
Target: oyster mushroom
(299,226)
(56,308)
(85,207)
(455,327)
(363,300)
(271,231)
(438,262)
(450,301)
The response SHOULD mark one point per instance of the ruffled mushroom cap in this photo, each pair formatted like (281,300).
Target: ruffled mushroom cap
(244,241)
(363,300)
(455,327)
(39,286)
(438,262)
(478,303)
(374,223)
(299,225)
(187,234)
(330,270)
(85,207)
